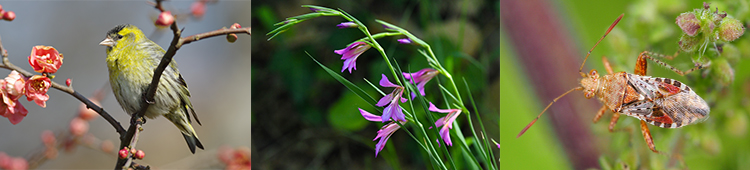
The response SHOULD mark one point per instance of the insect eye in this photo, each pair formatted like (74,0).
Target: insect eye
(593,73)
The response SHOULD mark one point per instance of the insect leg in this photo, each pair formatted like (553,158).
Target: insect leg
(647,136)
(612,123)
(641,63)
(600,113)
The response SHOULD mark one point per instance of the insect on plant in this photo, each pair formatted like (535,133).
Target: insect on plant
(662,102)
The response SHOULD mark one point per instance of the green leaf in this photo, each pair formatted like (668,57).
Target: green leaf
(351,86)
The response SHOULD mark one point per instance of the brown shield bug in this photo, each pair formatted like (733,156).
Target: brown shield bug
(662,102)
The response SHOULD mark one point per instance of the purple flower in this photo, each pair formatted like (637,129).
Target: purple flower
(384,133)
(420,78)
(393,110)
(404,41)
(347,25)
(446,122)
(350,54)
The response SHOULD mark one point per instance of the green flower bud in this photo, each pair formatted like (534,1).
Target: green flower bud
(731,29)
(689,43)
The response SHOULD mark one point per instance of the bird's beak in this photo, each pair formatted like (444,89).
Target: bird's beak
(107,42)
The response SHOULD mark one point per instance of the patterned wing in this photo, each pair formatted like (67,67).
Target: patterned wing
(668,104)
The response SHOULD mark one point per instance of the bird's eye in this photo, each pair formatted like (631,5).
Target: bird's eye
(119,36)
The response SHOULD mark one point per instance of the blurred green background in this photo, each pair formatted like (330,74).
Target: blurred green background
(542,50)
(305,119)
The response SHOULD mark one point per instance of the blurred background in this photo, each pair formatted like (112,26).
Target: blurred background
(305,119)
(543,44)
(217,73)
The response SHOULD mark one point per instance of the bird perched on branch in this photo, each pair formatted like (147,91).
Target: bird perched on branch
(131,59)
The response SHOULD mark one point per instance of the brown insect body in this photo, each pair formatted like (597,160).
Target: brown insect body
(662,102)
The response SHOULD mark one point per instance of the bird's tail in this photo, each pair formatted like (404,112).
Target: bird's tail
(179,118)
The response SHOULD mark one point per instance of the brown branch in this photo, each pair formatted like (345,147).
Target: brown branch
(133,142)
(10,66)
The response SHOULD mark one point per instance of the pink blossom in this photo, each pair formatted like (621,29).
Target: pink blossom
(36,89)
(446,122)
(12,88)
(351,53)
(393,110)
(45,59)
(421,78)
(384,133)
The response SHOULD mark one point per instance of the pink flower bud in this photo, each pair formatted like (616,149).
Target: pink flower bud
(18,164)
(198,8)
(139,154)
(235,26)
(107,146)
(48,138)
(123,153)
(165,19)
(4,160)
(9,16)
(78,127)
(347,25)
(67,82)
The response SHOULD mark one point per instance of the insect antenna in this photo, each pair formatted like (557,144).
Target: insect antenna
(597,43)
(545,109)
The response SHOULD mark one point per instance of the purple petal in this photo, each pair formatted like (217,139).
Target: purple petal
(387,113)
(341,51)
(347,64)
(435,109)
(444,133)
(369,116)
(347,25)
(404,41)
(452,118)
(406,75)
(384,100)
(440,122)
(386,83)
(396,113)
(420,87)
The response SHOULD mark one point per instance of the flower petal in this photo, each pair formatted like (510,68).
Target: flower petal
(369,116)
(387,113)
(384,100)
(386,83)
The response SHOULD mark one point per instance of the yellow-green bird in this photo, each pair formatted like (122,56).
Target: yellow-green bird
(131,59)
